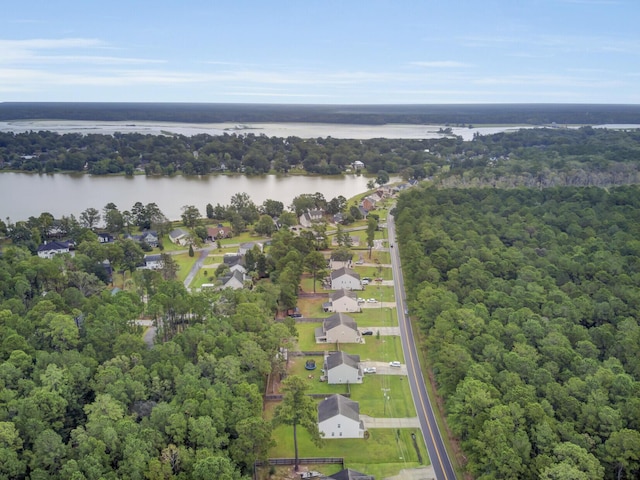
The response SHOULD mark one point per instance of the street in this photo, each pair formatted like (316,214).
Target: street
(432,438)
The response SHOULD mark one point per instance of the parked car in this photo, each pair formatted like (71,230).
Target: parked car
(372,300)
(395,363)
(360,300)
(369,369)
(367,332)
(365,282)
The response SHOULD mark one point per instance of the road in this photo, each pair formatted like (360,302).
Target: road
(431,433)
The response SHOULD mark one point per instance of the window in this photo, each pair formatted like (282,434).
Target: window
(340,433)
(333,434)
(338,425)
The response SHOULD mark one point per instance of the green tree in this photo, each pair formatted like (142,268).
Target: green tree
(265,226)
(191,252)
(90,217)
(316,265)
(297,408)
(190,216)
(372,226)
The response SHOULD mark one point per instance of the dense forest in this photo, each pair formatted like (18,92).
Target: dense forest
(83,397)
(528,301)
(527,114)
(539,157)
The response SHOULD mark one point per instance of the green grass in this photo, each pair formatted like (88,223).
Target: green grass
(376,317)
(369,395)
(307,285)
(307,339)
(312,378)
(185,262)
(383,454)
(383,349)
(385,273)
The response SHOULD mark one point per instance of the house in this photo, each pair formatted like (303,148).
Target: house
(349,474)
(339,260)
(339,327)
(342,301)
(179,236)
(234,280)
(49,249)
(246,246)
(309,217)
(235,262)
(340,367)
(219,232)
(358,165)
(153,262)
(338,218)
(368,204)
(345,278)
(339,417)
(104,237)
(150,237)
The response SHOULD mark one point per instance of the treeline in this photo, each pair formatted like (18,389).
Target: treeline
(529,304)
(541,157)
(83,397)
(531,114)
(547,157)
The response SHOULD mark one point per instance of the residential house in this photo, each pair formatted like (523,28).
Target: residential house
(337,261)
(338,218)
(219,232)
(246,246)
(150,237)
(235,262)
(368,204)
(339,327)
(345,278)
(153,262)
(349,474)
(49,249)
(358,165)
(342,301)
(309,217)
(340,367)
(179,236)
(104,237)
(339,417)
(234,280)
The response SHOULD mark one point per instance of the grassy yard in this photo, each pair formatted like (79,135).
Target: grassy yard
(383,454)
(306,284)
(185,262)
(370,396)
(383,349)
(385,273)
(376,317)
(312,307)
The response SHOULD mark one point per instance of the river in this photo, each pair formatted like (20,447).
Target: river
(23,195)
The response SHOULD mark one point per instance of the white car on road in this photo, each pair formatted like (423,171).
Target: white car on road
(395,364)
(369,369)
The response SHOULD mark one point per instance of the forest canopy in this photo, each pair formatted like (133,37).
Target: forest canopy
(529,302)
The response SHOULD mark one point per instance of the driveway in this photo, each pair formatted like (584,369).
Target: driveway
(384,331)
(371,422)
(377,304)
(383,368)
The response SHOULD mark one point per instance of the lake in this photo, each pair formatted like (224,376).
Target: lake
(23,194)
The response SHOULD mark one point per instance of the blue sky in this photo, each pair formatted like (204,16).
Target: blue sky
(321,52)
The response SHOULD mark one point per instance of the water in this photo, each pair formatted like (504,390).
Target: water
(23,195)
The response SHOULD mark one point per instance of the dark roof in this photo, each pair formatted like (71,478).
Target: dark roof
(178,232)
(337,404)
(232,260)
(236,274)
(348,474)
(46,247)
(343,293)
(344,271)
(335,359)
(152,258)
(339,319)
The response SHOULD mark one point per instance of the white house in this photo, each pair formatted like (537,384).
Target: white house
(339,327)
(358,165)
(340,367)
(342,301)
(234,281)
(179,236)
(49,249)
(339,417)
(345,278)
(153,262)
(310,216)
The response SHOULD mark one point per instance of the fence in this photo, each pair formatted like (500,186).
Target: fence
(278,396)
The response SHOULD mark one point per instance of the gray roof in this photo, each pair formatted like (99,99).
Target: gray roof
(343,293)
(337,404)
(152,258)
(46,247)
(335,359)
(177,233)
(339,319)
(344,271)
(349,474)
(236,274)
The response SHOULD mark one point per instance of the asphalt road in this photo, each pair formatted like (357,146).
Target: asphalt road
(432,438)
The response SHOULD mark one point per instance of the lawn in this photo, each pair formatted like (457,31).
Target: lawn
(384,453)
(312,378)
(384,349)
(379,292)
(312,307)
(370,396)
(385,273)
(306,284)
(376,317)
(185,262)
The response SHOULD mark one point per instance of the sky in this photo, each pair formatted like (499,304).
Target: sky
(321,52)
